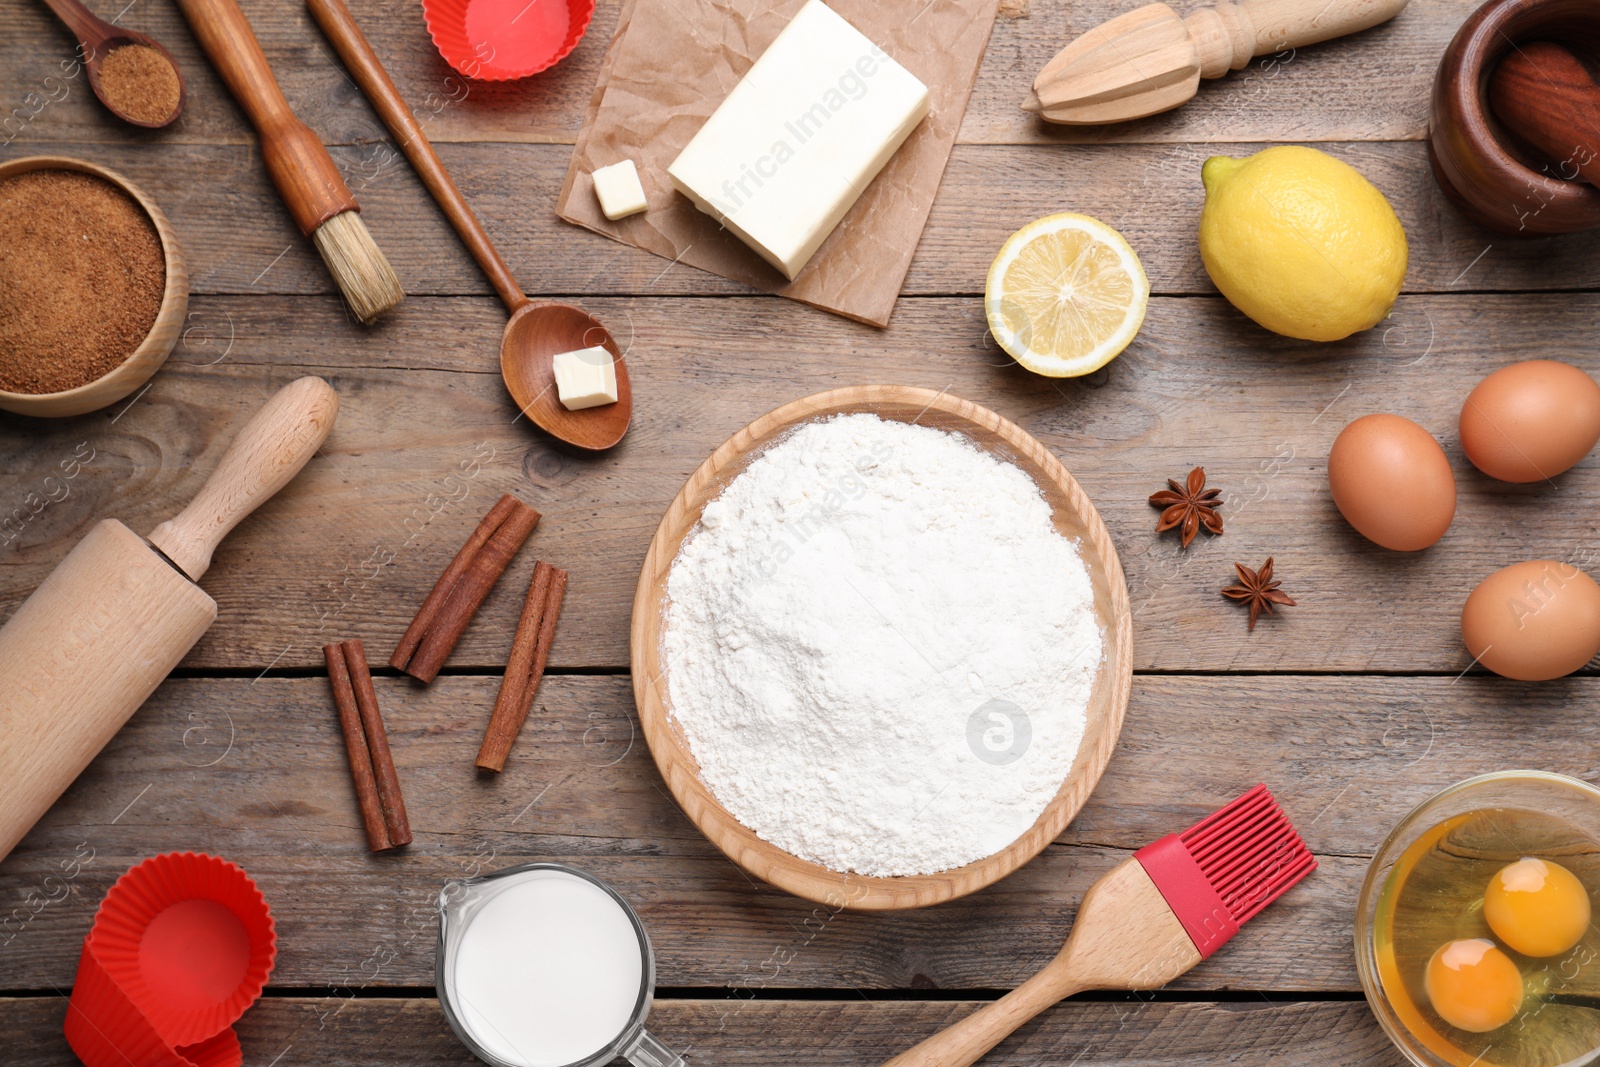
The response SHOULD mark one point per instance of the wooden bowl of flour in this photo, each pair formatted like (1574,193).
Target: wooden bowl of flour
(1074,517)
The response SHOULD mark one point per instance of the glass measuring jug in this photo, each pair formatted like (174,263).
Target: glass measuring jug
(545,965)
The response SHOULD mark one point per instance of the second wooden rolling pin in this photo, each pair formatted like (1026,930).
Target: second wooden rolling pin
(118,613)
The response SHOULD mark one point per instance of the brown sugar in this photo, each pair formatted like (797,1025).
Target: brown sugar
(140,82)
(81,279)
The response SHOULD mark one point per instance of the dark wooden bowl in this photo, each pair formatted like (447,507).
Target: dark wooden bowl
(1481,166)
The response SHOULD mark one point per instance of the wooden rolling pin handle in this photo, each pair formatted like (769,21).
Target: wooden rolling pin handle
(270,450)
(362,62)
(306,176)
(1227,36)
(1546,96)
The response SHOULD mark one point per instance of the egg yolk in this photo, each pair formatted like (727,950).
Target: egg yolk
(1537,907)
(1473,985)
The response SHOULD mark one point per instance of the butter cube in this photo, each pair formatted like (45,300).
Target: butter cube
(586,378)
(784,157)
(619,191)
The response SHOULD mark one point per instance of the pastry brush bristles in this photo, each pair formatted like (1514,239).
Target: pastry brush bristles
(1249,852)
(358,266)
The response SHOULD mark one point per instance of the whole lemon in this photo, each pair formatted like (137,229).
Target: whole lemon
(1301,242)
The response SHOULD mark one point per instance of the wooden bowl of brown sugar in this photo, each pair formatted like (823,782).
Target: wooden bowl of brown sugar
(93,287)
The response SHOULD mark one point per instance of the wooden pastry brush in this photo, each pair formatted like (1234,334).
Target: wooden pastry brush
(1148,920)
(306,176)
(1151,59)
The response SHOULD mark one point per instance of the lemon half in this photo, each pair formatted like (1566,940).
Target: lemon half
(1065,295)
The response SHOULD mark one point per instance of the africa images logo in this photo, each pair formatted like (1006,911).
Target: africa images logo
(999,732)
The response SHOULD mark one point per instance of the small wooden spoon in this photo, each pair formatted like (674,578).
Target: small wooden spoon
(536,332)
(97,39)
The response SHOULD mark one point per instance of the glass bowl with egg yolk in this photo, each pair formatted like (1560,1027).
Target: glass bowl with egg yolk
(1473,936)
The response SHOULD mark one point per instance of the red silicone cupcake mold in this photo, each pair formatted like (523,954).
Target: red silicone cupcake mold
(500,40)
(181,946)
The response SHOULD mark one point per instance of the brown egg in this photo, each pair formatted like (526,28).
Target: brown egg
(1392,482)
(1531,421)
(1534,620)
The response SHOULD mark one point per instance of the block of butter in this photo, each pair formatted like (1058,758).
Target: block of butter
(586,378)
(787,153)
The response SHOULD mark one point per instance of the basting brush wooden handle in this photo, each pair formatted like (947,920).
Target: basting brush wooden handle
(1125,937)
(278,440)
(305,174)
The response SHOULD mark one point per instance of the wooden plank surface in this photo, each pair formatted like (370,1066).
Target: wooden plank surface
(254,770)
(238,237)
(332,1031)
(1369,87)
(1350,705)
(427,440)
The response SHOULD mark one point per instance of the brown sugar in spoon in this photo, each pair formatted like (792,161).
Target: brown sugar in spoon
(154,98)
(537,332)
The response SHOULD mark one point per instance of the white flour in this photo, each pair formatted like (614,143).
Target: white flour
(880,649)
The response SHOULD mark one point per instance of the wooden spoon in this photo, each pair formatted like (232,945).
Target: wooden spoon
(97,39)
(536,332)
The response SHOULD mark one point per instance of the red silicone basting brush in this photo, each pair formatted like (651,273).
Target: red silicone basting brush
(1150,919)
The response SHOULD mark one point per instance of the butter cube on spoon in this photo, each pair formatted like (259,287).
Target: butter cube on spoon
(586,378)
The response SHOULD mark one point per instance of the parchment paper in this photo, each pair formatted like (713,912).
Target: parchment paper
(673,61)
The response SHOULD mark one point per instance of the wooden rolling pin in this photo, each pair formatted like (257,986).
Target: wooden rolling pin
(1547,97)
(1151,59)
(85,650)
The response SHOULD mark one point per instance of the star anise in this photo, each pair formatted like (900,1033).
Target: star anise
(1258,590)
(1189,507)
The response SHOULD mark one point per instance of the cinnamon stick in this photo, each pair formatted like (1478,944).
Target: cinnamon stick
(388,782)
(530,651)
(447,581)
(461,589)
(355,747)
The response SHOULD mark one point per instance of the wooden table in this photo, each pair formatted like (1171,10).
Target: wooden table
(1353,706)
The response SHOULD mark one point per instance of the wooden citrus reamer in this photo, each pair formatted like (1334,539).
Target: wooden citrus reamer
(1151,59)
(117,614)
(1148,920)
(305,174)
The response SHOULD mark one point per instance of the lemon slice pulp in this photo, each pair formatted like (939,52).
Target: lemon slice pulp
(1065,295)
